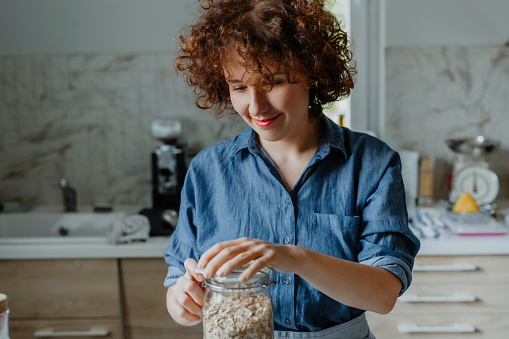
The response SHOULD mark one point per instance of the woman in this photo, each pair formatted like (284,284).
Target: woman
(322,205)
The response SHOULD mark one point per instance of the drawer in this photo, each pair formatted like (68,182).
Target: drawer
(454,298)
(61,288)
(76,329)
(480,269)
(437,327)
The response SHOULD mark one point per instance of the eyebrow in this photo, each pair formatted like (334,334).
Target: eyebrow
(237,81)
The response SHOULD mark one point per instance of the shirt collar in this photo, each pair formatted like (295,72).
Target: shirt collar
(332,135)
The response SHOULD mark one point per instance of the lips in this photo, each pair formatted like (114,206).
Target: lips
(265,122)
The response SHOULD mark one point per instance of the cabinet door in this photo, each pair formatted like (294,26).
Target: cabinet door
(472,326)
(61,288)
(145,313)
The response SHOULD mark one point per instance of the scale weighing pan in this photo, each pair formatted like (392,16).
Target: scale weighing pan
(476,146)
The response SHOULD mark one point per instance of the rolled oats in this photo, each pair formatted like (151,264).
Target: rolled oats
(235,315)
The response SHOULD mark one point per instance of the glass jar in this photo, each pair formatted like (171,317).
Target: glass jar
(4,317)
(234,309)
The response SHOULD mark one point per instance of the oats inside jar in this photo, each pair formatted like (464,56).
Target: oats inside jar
(233,315)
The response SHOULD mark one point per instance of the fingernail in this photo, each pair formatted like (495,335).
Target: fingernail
(220,272)
(200,270)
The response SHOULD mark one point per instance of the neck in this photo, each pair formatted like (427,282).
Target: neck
(304,141)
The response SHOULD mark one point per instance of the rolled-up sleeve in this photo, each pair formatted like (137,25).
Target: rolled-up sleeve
(391,250)
(174,255)
(386,241)
(182,244)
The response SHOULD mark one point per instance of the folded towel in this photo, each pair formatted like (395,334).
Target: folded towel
(131,228)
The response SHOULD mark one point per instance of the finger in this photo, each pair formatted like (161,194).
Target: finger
(175,301)
(182,313)
(188,303)
(256,266)
(214,250)
(230,258)
(191,291)
(190,266)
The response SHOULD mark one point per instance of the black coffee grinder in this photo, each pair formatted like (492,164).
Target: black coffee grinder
(169,166)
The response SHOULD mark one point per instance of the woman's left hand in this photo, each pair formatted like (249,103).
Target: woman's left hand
(226,256)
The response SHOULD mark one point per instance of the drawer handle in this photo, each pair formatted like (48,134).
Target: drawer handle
(458,328)
(455,298)
(444,268)
(93,332)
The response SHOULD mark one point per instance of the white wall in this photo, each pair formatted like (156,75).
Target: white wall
(447,22)
(50,27)
(447,76)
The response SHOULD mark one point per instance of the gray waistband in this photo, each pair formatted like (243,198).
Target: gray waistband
(354,329)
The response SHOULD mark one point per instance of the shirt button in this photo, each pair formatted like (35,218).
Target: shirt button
(287,240)
(286,281)
(288,201)
(288,321)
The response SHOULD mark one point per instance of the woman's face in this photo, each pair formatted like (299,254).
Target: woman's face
(278,115)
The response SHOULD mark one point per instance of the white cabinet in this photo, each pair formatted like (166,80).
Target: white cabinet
(451,297)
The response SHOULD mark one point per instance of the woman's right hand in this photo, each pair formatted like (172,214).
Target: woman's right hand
(184,299)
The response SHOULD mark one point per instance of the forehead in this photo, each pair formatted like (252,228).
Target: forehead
(237,69)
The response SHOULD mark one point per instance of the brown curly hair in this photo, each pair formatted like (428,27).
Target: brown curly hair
(299,35)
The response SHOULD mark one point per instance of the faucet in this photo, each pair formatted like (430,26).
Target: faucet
(69,195)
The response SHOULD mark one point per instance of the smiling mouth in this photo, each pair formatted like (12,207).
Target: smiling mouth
(265,122)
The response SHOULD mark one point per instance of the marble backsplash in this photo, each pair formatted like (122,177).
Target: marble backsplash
(434,93)
(87,118)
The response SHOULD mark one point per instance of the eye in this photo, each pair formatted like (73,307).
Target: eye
(237,88)
(279,82)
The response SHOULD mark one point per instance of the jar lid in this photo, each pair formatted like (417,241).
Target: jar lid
(232,280)
(3,303)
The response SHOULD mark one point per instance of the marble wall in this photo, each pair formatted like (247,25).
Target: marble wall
(434,93)
(87,118)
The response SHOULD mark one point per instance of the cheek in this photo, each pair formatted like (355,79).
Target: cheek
(239,106)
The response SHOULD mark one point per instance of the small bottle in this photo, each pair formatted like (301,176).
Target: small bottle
(4,317)
(235,309)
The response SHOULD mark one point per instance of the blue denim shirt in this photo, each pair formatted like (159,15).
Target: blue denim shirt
(348,203)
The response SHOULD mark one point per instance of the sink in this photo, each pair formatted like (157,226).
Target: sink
(53,227)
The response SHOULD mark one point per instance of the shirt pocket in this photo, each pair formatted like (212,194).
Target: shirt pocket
(337,235)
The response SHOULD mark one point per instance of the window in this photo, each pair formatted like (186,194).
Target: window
(340,110)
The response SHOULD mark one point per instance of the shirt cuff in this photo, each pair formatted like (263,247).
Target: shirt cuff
(394,265)
(171,277)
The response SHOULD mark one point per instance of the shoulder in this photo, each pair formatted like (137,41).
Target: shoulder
(365,145)
(221,152)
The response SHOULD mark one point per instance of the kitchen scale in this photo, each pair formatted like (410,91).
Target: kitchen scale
(471,172)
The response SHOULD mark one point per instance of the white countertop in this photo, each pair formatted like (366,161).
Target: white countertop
(154,247)
(466,245)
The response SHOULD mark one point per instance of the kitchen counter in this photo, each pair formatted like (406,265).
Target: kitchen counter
(466,245)
(154,247)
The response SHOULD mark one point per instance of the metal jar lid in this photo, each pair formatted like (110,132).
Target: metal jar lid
(232,282)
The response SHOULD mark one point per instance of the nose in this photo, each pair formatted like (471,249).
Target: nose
(258,103)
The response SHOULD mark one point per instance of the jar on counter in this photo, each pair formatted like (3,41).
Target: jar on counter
(234,309)
(4,317)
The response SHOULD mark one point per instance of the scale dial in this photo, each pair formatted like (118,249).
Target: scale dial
(477,180)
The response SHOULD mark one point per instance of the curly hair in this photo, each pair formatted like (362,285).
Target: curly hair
(301,36)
